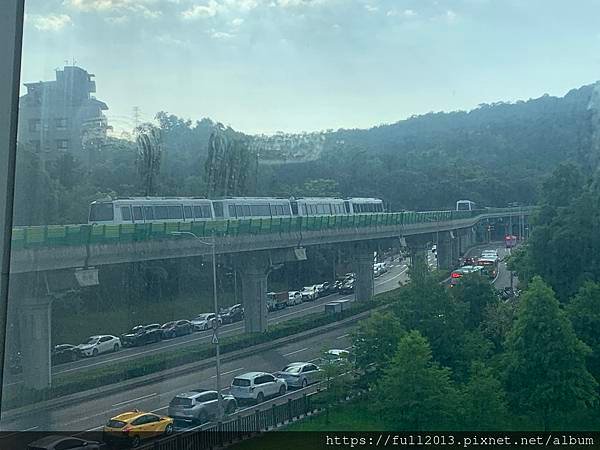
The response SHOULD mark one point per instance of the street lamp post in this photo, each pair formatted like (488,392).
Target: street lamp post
(216,321)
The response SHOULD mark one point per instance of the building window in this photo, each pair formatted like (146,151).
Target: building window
(61,124)
(62,144)
(35,125)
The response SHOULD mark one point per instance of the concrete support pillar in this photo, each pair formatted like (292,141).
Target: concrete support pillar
(254,269)
(444,251)
(455,248)
(34,327)
(418,255)
(463,236)
(364,285)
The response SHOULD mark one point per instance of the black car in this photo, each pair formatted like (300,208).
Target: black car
(232,314)
(56,442)
(142,335)
(63,353)
(176,328)
(347,287)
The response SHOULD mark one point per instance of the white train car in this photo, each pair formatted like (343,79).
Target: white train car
(251,207)
(465,205)
(150,209)
(318,206)
(358,205)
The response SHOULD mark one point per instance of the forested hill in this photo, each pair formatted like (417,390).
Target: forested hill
(494,154)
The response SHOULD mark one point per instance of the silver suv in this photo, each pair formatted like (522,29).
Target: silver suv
(199,406)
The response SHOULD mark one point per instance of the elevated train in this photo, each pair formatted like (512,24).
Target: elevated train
(188,209)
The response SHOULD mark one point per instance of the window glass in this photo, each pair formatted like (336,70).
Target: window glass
(218,207)
(187,211)
(149,212)
(206,212)
(101,212)
(246,209)
(137,213)
(232,211)
(175,212)
(198,214)
(161,212)
(304,210)
(239,211)
(254,210)
(125,213)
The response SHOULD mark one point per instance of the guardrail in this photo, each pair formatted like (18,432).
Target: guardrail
(75,235)
(238,428)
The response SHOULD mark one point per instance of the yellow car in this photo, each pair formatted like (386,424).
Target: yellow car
(134,426)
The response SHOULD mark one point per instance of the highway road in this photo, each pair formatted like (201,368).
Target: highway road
(90,415)
(385,282)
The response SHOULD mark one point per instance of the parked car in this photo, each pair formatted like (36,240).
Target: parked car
(100,344)
(134,426)
(277,300)
(199,406)
(294,298)
(142,335)
(309,293)
(347,287)
(337,356)
(204,321)
(56,442)
(321,289)
(256,386)
(176,328)
(63,353)
(300,374)
(232,314)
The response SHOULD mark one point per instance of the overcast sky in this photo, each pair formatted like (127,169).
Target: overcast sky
(294,65)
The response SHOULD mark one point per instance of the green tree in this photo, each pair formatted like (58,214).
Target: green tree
(375,342)
(427,306)
(584,312)
(415,393)
(483,400)
(478,294)
(497,322)
(546,373)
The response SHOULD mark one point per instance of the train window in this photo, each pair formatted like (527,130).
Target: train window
(198,212)
(304,210)
(206,211)
(125,213)
(149,212)
(264,210)
(137,213)
(161,212)
(246,210)
(218,206)
(232,211)
(239,211)
(255,210)
(175,212)
(294,208)
(101,212)
(187,212)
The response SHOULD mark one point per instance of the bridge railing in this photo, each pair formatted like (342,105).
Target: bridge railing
(75,235)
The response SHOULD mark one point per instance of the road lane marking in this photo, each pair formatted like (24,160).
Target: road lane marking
(343,336)
(135,399)
(231,371)
(294,352)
